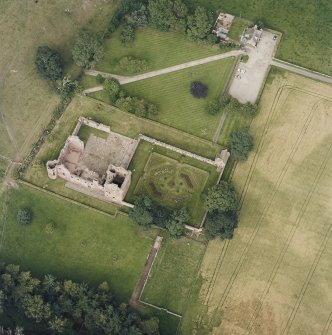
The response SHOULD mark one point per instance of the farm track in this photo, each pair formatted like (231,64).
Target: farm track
(252,237)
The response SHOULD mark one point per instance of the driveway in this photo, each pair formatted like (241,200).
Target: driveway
(249,80)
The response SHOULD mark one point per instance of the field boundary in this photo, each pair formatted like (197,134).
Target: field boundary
(75,202)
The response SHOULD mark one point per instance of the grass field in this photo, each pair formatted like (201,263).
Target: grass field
(85,246)
(3,167)
(166,170)
(306,26)
(173,274)
(177,107)
(159,49)
(238,27)
(26,101)
(274,276)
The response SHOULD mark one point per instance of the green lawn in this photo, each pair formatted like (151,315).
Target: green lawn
(85,132)
(85,246)
(306,26)
(173,274)
(159,49)
(27,101)
(177,107)
(238,27)
(163,168)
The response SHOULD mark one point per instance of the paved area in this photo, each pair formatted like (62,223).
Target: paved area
(302,71)
(250,76)
(130,79)
(146,271)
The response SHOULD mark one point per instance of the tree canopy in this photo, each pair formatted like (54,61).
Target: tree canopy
(88,50)
(167,14)
(176,224)
(199,24)
(49,63)
(221,223)
(213,107)
(67,307)
(141,214)
(222,197)
(241,144)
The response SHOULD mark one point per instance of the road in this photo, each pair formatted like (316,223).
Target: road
(302,71)
(130,79)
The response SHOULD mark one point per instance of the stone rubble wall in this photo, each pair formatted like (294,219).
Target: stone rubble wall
(219,162)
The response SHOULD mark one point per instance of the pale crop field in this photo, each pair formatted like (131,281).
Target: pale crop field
(275,276)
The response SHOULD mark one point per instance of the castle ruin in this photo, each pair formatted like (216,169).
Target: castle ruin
(99,167)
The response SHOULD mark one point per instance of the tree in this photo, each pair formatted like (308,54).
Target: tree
(249,109)
(222,197)
(139,17)
(133,65)
(67,87)
(225,100)
(127,34)
(177,222)
(112,88)
(150,326)
(167,14)
(24,216)
(49,63)
(141,213)
(220,223)
(87,50)
(199,24)
(57,325)
(198,89)
(213,107)
(35,308)
(241,144)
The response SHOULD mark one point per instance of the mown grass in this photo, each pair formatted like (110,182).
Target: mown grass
(85,246)
(177,107)
(159,49)
(173,274)
(203,176)
(27,101)
(306,26)
(85,132)
(238,27)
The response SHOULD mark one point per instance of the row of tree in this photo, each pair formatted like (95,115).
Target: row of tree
(147,212)
(174,15)
(221,202)
(119,98)
(57,306)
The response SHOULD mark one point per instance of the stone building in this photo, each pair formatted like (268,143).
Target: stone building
(223,25)
(251,36)
(84,169)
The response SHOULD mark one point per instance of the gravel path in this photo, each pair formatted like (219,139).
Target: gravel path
(302,71)
(130,79)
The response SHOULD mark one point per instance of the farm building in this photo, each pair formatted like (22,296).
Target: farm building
(252,36)
(223,25)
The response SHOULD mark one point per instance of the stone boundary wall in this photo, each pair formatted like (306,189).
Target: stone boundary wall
(178,150)
(90,123)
